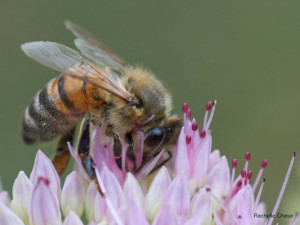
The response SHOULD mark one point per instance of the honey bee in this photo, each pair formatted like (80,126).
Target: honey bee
(99,88)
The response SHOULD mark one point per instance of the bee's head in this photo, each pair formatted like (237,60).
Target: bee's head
(150,96)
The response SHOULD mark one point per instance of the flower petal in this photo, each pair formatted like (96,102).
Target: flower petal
(218,180)
(132,190)
(43,167)
(136,214)
(157,190)
(181,164)
(198,218)
(217,219)
(90,202)
(72,195)
(214,158)
(202,202)
(241,207)
(22,190)
(166,216)
(114,193)
(178,197)
(8,217)
(261,209)
(72,219)
(4,198)
(44,206)
(200,163)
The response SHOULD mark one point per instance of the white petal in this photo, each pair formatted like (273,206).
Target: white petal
(181,163)
(72,195)
(22,190)
(72,219)
(156,192)
(241,207)
(260,210)
(200,163)
(8,217)
(177,197)
(4,198)
(166,216)
(202,202)
(218,180)
(90,202)
(132,190)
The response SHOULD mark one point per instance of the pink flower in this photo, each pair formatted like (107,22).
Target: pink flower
(197,189)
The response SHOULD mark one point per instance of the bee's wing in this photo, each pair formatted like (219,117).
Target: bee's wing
(69,62)
(95,49)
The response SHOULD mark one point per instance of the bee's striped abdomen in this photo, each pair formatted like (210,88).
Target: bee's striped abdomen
(57,108)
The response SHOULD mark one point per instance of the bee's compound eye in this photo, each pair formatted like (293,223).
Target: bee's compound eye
(155,137)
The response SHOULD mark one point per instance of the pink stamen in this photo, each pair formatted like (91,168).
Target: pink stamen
(247,156)
(282,188)
(264,164)
(188,113)
(243,173)
(208,106)
(211,116)
(249,175)
(259,192)
(205,119)
(202,133)
(247,159)
(124,151)
(234,164)
(262,167)
(188,139)
(185,107)
(140,155)
(236,188)
(194,126)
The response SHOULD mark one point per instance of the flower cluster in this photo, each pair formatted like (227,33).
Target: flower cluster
(197,188)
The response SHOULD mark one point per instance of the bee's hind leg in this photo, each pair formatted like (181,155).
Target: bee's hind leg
(62,155)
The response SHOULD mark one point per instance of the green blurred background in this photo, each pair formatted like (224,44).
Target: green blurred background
(245,54)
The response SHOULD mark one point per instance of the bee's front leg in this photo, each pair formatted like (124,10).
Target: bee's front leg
(84,150)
